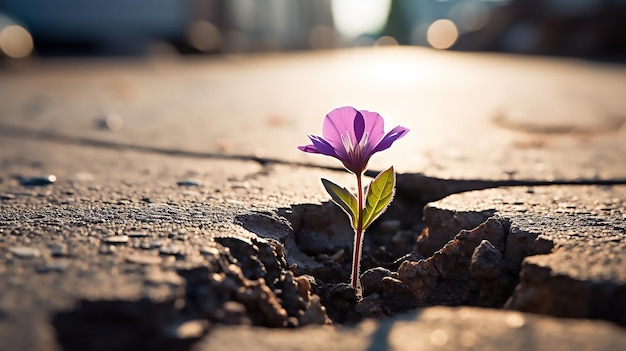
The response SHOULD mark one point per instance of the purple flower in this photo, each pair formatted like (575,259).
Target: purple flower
(352,137)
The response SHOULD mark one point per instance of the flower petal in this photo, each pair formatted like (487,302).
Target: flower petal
(358,127)
(374,126)
(322,146)
(393,135)
(338,122)
(308,148)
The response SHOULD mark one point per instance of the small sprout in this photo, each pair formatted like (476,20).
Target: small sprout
(352,137)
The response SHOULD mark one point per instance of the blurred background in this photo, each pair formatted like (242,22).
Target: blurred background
(581,28)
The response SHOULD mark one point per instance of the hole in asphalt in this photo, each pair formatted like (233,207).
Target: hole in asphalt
(406,264)
(468,259)
(296,273)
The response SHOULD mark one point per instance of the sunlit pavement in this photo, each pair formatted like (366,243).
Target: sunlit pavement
(120,134)
(481,116)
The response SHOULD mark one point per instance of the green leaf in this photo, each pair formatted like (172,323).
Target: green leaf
(379,196)
(343,198)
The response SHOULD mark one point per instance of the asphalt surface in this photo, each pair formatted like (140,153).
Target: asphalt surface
(153,161)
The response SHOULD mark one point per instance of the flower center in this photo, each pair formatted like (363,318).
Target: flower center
(355,152)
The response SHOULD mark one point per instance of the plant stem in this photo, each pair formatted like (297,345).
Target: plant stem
(358,239)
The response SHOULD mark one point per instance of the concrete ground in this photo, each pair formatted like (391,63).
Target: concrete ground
(159,163)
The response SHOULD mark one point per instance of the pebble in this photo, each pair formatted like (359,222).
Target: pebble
(111,121)
(171,250)
(38,181)
(191,329)
(188,182)
(7,196)
(137,234)
(209,251)
(58,250)
(25,252)
(147,245)
(116,239)
(371,279)
(144,259)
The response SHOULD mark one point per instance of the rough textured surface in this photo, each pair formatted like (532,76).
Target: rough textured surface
(437,328)
(144,203)
(469,270)
(116,238)
(580,230)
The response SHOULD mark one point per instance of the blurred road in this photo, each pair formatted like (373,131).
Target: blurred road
(472,115)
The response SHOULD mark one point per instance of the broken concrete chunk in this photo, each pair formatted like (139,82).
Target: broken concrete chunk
(446,277)
(568,246)
(486,261)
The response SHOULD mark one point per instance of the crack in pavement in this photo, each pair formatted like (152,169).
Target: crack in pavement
(24,133)
(416,190)
(414,181)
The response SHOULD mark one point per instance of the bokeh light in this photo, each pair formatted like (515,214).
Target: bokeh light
(470,16)
(442,34)
(353,18)
(204,36)
(386,41)
(16,41)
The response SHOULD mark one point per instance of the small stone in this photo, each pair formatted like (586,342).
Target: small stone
(111,121)
(7,196)
(143,259)
(58,250)
(173,250)
(191,329)
(188,182)
(25,252)
(371,279)
(244,185)
(209,251)
(340,301)
(38,181)
(390,227)
(181,237)
(116,239)
(137,234)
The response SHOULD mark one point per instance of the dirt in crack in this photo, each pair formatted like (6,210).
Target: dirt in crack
(472,260)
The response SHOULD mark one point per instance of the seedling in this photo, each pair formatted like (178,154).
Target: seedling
(352,137)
